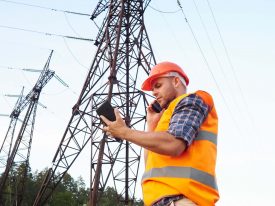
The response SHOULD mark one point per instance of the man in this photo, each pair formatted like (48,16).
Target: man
(180,141)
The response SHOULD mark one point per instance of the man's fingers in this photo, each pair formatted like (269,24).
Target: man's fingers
(117,113)
(105,119)
(105,129)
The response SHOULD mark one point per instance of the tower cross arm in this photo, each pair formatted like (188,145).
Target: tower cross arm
(101,6)
(43,79)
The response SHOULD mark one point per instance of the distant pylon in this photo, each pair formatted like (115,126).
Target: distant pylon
(123,59)
(8,140)
(19,155)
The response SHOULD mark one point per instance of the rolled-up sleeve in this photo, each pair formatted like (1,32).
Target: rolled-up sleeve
(187,118)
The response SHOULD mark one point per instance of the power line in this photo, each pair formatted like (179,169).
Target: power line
(51,9)
(55,10)
(170,29)
(226,52)
(46,33)
(207,64)
(215,53)
(70,25)
(202,53)
(75,58)
(231,65)
(47,8)
(36,70)
(95,24)
(165,12)
(6,101)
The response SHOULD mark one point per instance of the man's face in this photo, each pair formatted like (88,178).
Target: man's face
(164,91)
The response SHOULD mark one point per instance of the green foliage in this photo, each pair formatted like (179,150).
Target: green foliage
(69,192)
(111,198)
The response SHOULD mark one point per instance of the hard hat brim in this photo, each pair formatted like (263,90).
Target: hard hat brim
(147,84)
(161,69)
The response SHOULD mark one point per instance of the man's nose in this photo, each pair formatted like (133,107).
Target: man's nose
(154,92)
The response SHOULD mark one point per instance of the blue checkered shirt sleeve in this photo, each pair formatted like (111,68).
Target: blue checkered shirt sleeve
(188,115)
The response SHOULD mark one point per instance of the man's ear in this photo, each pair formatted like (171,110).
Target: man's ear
(177,82)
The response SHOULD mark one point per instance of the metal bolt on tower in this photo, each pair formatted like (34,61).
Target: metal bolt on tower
(19,155)
(122,60)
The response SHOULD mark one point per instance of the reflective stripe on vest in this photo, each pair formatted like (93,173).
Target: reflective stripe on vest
(187,172)
(183,172)
(206,135)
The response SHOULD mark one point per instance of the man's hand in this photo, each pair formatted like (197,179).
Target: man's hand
(152,118)
(116,128)
(159,142)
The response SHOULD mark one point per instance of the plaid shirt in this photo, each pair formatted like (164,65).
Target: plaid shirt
(166,201)
(188,115)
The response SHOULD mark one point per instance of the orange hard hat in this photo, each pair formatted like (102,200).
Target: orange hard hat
(161,69)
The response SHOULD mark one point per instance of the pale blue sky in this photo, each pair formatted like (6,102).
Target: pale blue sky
(246,154)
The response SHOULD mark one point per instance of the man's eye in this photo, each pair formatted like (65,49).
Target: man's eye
(157,85)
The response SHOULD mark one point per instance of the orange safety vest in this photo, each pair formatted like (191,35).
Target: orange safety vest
(193,172)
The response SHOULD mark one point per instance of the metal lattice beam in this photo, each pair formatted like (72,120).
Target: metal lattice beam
(123,58)
(19,156)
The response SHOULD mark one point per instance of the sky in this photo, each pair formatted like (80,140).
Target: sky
(226,48)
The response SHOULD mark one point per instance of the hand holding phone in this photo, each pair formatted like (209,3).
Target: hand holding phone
(106,110)
(156,107)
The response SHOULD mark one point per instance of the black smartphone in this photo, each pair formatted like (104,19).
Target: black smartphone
(156,107)
(107,111)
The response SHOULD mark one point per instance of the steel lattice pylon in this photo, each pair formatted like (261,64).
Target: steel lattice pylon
(8,140)
(19,155)
(123,59)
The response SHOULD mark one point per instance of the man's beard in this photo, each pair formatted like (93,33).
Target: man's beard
(166,105)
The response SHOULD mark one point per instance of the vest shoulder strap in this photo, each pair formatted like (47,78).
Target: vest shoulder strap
(207,98)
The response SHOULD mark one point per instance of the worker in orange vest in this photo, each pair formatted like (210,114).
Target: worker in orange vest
(180,142)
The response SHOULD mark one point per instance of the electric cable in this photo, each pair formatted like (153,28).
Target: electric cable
(170,29)
(207,65)
(47,8)
(70,25)
(95,24)
(46,33)
(25,77)
(216,56)
(56,93)
(70,51)
(230,63)
(37,70)
(165,12)
(4,97)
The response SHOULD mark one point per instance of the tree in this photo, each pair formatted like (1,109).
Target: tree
(111,198)
(82,192)
(69,192)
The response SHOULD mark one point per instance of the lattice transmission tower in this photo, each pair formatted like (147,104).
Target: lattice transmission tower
(16,155)
(123,59)
(6,145)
